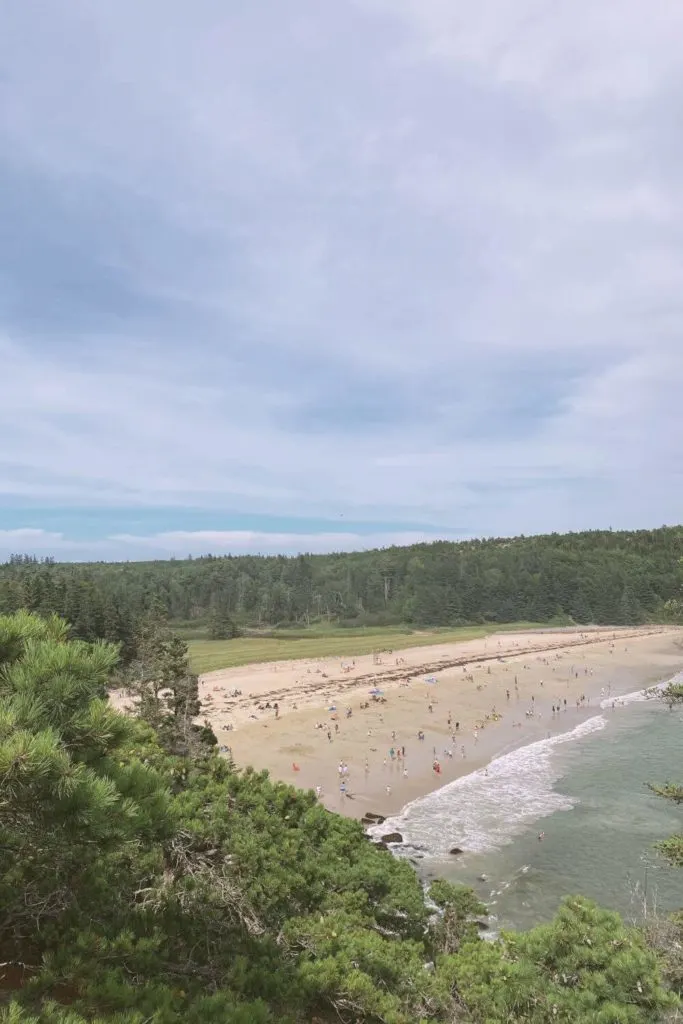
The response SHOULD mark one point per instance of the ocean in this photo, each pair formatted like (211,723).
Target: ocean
(586,791)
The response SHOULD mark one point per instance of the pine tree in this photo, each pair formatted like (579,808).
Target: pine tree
(69,797)
(221,625)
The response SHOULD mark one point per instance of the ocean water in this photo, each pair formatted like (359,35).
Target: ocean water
(586,791)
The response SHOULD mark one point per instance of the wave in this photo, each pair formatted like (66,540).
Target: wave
(639,696)
(488,808)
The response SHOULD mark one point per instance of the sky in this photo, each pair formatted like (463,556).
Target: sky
(281,277)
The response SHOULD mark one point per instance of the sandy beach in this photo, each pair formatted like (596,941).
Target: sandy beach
(470,701)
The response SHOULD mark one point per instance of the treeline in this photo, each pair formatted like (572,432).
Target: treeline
(143,880)
(600,576)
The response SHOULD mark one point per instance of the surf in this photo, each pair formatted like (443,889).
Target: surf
(486,809)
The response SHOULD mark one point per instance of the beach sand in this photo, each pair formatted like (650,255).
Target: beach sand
(473,678)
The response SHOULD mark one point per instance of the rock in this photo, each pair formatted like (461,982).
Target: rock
(392,837)
(455,851)
(370,816)
(379,845)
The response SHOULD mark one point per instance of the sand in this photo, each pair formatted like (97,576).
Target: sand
(307,741)
(313,734)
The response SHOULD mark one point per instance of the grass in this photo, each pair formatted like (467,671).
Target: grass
(209,655)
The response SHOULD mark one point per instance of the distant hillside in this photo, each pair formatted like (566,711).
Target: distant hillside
(598,576)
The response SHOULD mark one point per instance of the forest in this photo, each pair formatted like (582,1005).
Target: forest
(601,577)
(144,880)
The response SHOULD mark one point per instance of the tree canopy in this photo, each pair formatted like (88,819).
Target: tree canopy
(603,577)
(146,886)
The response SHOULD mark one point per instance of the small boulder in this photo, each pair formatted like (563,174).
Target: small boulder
(455,850)
(392,837)
(370,816)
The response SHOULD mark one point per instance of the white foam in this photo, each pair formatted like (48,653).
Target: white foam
(480,812)
(639,696)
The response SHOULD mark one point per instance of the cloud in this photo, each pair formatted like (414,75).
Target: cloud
(405,262)
(183,543)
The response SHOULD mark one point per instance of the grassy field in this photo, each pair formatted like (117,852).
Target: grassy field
(208,655)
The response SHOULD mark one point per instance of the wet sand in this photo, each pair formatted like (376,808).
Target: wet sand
(312,735)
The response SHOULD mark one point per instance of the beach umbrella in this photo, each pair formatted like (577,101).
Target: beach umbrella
(375,691)
(332,708)
(430,679)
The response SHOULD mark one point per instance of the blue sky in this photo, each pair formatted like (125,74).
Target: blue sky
(282,277)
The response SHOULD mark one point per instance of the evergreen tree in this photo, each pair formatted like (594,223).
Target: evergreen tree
(139,886)
(221,625)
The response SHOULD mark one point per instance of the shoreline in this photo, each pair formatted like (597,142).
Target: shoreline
(474,678)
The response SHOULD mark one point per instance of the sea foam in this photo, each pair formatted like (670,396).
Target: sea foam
(639,696)
(489,807)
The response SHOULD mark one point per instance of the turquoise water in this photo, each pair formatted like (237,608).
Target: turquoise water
(587,792)
(602,845)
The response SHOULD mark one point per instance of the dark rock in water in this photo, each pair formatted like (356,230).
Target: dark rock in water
(484,925)
(455,851)
(376,819)
(379,845)
(392,837)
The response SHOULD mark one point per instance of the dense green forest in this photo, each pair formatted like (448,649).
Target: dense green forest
(601,576)
(143,880)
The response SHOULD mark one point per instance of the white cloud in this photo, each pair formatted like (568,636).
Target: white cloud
(409,261)
(182,543)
